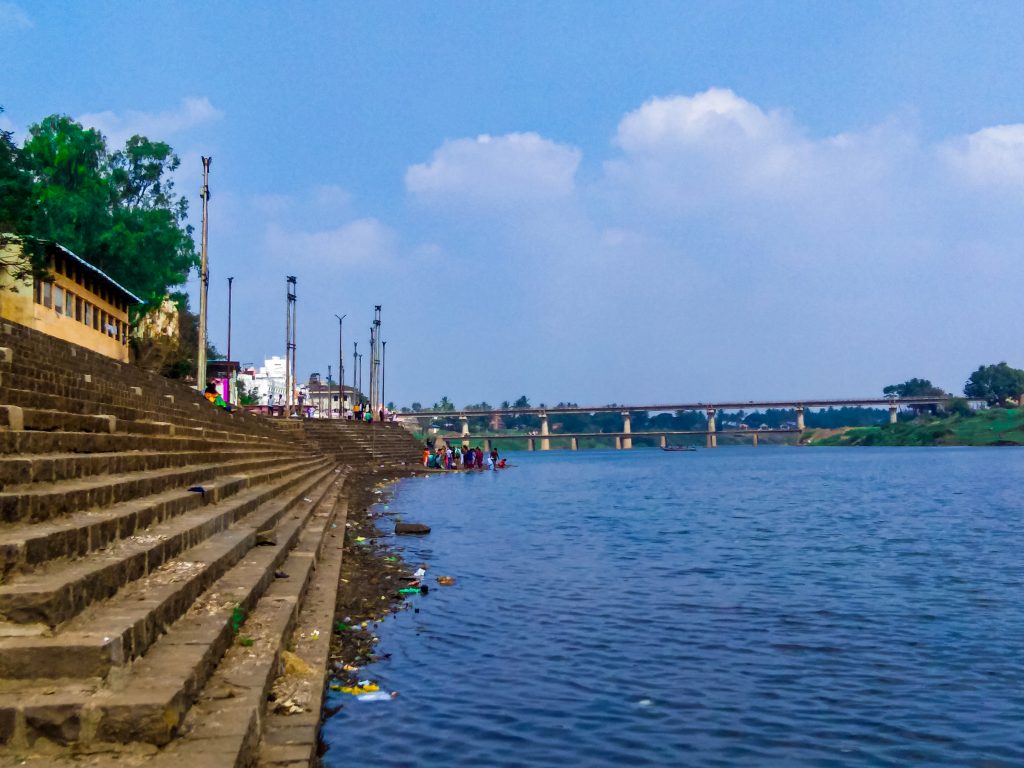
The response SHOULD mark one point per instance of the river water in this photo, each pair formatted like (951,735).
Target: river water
(737,607)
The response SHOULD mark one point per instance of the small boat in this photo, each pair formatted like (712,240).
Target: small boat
(678,448)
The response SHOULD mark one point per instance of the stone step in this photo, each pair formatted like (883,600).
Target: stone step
(150,700)
(47,400)
(24,546)
(119,630)
(39,505)
(72,385)
(196,414)
(23,470)
(292,738)
(22,442)
(225,724)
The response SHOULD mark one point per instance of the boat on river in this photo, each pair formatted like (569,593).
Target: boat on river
(678,448)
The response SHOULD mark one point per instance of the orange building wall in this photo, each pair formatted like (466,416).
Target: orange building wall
(19,305)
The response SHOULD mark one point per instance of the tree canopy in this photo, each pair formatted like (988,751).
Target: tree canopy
(18,209)
(117,210)
(914,388)
(995,384)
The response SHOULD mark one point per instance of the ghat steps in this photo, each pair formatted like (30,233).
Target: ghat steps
(139,525)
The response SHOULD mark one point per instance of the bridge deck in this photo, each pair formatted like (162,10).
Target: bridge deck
(878,402)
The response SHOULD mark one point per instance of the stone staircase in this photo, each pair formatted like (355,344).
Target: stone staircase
(143,532)
(389,444)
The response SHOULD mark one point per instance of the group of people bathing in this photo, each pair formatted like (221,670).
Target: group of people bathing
(446,457)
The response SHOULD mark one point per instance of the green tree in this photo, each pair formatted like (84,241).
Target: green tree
(445,405)
(522,402)
(18,210)
(118,211)
(914,388)
(995,384)
(69,167)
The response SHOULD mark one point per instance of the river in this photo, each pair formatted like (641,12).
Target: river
(737,607)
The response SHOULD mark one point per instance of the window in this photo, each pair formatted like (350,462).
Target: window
(47,295)
(58,299)
(95,319)
(38,290)
(87,316)
(69,303)
(78,308)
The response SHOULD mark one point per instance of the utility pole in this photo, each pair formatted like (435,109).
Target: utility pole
(375,361)
(341,368)
(355,368)
(289,350)
(204,277)
(383,370)
(232,394)
(361,381)
(230,281)
(373,381)
(329,406)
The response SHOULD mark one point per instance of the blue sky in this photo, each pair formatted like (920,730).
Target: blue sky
(597,202)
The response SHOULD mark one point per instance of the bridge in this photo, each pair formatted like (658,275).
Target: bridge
(624,439)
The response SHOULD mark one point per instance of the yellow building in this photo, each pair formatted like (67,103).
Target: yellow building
(78,303)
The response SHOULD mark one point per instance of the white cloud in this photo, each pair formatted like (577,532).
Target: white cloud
(13,16)
(729,226)
(158,126)
(516,167)
(716,117)
(993,155)
(360,243)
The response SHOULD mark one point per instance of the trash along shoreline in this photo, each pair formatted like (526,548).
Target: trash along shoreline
(373,584)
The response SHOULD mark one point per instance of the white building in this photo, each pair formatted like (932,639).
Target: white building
(268,381)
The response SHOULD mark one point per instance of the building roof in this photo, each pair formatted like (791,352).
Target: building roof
(97,271)
(132,298)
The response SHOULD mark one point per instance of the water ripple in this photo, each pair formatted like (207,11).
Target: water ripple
(736,607)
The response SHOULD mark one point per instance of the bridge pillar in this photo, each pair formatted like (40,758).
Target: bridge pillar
(487,445)
(574,443)
(712,438)
(627,427)
(800,418)
(465,431)
(531,444)
(618,443)
(755,439)
(664,441)
(545,443)
(892,413)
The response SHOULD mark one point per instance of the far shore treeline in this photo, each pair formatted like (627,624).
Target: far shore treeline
(115,207)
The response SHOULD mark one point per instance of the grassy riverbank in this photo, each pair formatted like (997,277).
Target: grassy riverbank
(996,426)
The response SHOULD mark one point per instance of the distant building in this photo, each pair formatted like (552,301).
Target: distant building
(331,401)
(266,382)
(75,302)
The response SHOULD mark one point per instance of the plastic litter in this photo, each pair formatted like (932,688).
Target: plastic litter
(377,696)
(198,489)
(446,581)
(314,635)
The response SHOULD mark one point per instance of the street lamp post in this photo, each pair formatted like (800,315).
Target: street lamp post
(328,394)
(361,383)
(204,278)
(231,377)
(383,370)
(341,369)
